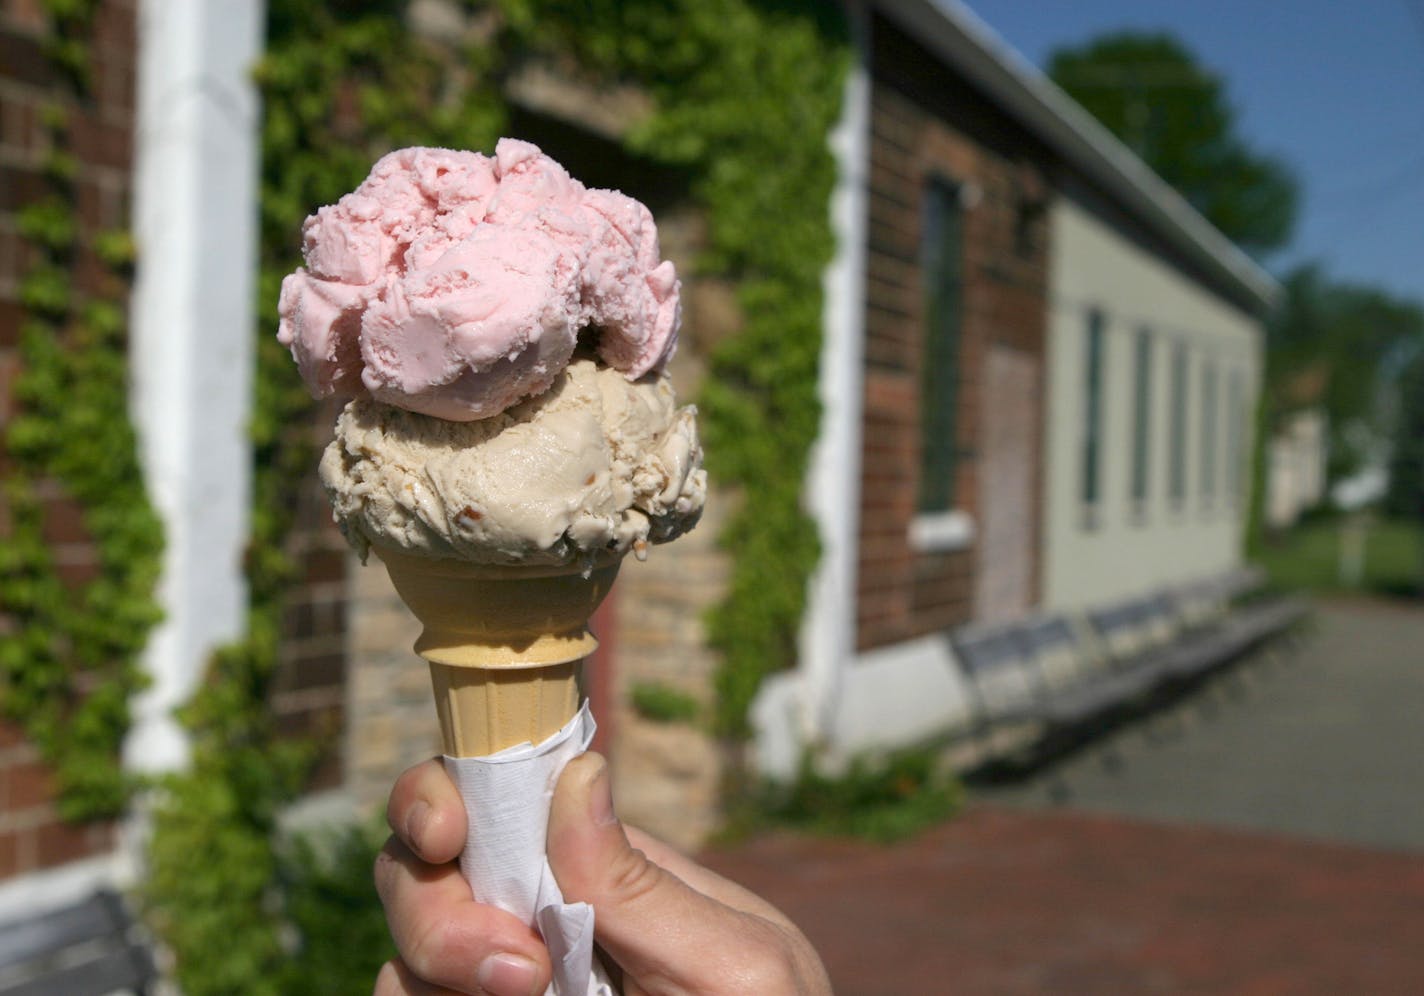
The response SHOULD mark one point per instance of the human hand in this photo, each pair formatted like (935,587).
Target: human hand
(667,923)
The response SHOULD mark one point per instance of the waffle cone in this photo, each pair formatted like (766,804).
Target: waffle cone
(505,645)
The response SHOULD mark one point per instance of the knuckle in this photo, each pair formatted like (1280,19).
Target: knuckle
(781,962)
(771,971)
(431,951)
(631,876)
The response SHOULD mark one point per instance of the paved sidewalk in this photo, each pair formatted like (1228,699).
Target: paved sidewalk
(1010,902)
(1264,837)
(1327,742)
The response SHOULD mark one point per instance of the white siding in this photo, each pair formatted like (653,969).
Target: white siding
(1122,548)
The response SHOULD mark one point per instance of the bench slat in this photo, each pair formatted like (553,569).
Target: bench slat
(129,969)
(1037,669)
(58,930)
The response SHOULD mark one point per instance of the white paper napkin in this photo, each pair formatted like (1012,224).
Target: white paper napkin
(507,798)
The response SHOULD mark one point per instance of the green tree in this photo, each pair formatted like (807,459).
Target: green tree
(1341,347)
(1406,477)
(1152,93)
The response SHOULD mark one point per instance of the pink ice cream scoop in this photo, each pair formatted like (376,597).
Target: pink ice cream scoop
(456,285)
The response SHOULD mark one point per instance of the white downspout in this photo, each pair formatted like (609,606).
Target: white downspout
(191,348)
(827,638)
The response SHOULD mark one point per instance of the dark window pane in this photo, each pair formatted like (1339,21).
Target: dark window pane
(1142,416)
(1236,435)
(942,263)
(1177,458)
(1209,454)
(1093,409)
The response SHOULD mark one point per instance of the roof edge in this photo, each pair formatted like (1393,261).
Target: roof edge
(958,35)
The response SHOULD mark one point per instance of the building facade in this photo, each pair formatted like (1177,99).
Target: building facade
(1153,379)
(1053,360)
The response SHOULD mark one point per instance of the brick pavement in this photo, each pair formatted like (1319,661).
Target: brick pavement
(1003,901)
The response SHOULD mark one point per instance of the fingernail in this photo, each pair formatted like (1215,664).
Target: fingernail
(507,975)
(415,819)
(600,799)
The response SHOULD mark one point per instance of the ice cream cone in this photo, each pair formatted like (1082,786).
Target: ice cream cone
(505,644)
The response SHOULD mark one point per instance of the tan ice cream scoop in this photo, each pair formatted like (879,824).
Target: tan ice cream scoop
(595,467)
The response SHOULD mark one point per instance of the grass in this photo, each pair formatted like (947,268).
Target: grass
(883,800)
(1312,558)
(664,704)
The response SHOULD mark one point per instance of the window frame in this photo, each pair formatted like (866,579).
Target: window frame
(1140,474)
(1178,420)
(1091,428)
(940,522)
(1209,445)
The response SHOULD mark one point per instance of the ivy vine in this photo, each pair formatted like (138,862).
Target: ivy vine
(70,665)
(745,91)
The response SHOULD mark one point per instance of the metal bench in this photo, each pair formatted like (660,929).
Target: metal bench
(88,949)
(1138,637)
(1002,678)
(1254,624)
(1066,678)
(1033,672)
(1077,687)
(1128,630)
(1178,636)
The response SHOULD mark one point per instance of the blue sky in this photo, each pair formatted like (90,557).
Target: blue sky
(1336,89)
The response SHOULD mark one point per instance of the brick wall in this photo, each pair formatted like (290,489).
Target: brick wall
(101,130)
(927,123)
(309,690)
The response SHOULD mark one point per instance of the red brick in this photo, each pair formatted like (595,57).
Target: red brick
(91,277)
(16,258)
(19,123)
(23,58)
(27,784)
(321,566)
(101,143)
(114,30)
(298,621)
(9,407)
(11,734)
(26,14)
(897,396)
(9,854)
(59,843)
(76,565)
(995,899)
(62,522)
(114,79)
(19,185)
(894,329)
(89,206)
(320,671)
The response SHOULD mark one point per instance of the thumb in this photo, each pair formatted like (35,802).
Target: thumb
(660,931)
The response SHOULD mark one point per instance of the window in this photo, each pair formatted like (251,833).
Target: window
(1092,438)
(1177,440)
(1235,436)
(1141,417)
(1210,456)
(942,264)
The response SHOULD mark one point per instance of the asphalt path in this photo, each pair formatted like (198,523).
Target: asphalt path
(1323,739)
